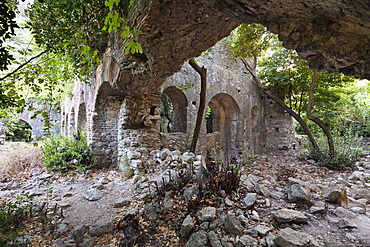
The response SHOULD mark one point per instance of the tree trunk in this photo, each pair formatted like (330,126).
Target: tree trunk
(316,120)
(281,104)
(202,102)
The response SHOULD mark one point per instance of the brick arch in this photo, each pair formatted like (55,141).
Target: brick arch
(179,109)
(226,124)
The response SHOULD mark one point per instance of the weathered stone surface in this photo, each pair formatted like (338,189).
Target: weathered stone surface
(198,239)
(299,194)
(246,240)
(213,239)
(187,226)
(288,215)
(232,224)
(121,202)
(206,214)
(250,200)
(78,233)
(190,193)
(318,207)
(102,226)
(93,194)
(289,238)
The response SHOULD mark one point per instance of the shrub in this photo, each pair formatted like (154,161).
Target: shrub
(63,154)
(347,151)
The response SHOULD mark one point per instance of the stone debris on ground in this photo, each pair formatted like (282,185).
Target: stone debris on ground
(283,201)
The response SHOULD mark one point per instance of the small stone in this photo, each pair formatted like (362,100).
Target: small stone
(204,225)
(198,239)
(232,224)
(255,216)
(207,214)
(287,237)
(93,194)
(345,223)
(243,220)
(250,200)
(246,240)
(190,193)
(226,242)
(299,194)
(344,213)
(103,226)
(263,230)
(187,226)
(213,239)
(319,207)
(358,210)
(289,216)
(262,190)
(121,202)
(78,233)
(228,202)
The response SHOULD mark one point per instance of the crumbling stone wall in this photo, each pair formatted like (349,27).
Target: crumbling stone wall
(244,122)
(37,124)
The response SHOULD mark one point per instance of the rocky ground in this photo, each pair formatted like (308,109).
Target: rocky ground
(281,201)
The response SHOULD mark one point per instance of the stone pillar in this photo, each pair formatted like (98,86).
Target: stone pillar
(138,125)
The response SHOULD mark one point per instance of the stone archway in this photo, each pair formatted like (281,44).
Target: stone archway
(225,127)
(177,115)
(82,117)
(105,126)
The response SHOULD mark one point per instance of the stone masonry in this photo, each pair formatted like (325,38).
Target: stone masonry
(243,121)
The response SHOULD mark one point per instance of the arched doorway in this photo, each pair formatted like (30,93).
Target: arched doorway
(224,126)
(173,111)
(105,127)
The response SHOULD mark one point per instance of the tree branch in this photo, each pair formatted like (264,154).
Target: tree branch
(202,104)
(316,120)
(22,65)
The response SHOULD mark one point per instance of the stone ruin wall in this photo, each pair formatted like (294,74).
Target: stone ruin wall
(246,122)
(37,124)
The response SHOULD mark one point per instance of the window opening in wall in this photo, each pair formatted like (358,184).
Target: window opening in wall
(209,120)
(173,110)
(166,114)
(152,110)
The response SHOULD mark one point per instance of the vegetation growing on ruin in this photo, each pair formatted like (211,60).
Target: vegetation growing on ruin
(286,78)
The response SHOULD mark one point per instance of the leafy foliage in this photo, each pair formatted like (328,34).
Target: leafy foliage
(74,30)
(7,30)
(64,154)
(348,150)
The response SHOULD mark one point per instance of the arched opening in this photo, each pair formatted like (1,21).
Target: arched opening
(18,131)
(173,111)
(223,126)
(82,117)
(105,126)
